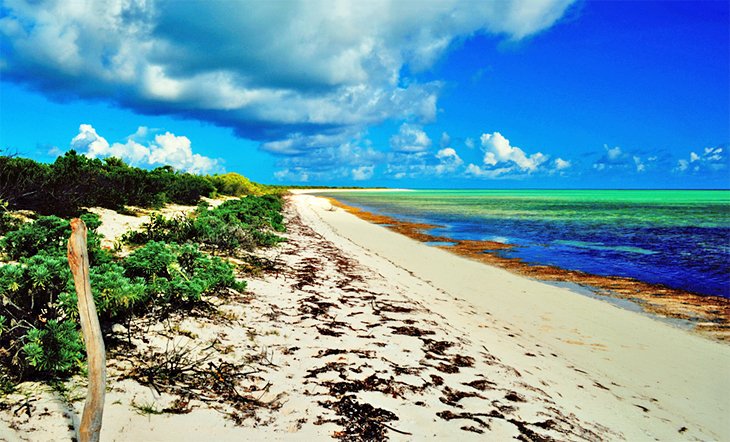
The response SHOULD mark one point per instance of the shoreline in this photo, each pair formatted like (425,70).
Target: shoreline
(550,332)
(335,190)
(706,314)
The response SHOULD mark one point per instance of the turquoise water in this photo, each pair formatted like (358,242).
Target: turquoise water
(679,238)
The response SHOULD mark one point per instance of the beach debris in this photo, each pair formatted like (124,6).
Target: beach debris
(361,422)
(452,397)
(410,330)
(78,260)
(481,384)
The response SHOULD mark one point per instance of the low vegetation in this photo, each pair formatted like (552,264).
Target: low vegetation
(236,225)
(74,181)
(237,185)
(173,265)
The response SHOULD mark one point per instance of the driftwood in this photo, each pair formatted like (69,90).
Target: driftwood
(78,259)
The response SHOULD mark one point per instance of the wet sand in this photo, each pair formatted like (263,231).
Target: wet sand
(707,315)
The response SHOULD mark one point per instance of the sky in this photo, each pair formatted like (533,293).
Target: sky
(397,93)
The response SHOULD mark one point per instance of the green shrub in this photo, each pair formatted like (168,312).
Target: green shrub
(23,183)
(50,234)
(74,181)
(188,188)
(176,229)
(150,261)
(236,185)
(38,309)
(46,233)
(115,295)
(245,224)
(179,274)
(35,282)
(7,221)
(54,349)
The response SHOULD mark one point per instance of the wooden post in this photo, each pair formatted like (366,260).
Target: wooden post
(78,259)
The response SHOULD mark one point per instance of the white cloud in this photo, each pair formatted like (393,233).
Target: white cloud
(613,153)
(410,139)
(177,152)
(268,70)
(615,158)
(449,161)
(283,147)
(292,175)
(326,162)
(713,154)
(167,149)
(561,164)
(640,166)
(363,173)
(88,139)
(480,172)
(709,160)
(445,140)
(423,164)
(499,152)
(97,146)
(446,153)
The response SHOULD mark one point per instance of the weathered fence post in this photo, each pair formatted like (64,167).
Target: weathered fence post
(78,259)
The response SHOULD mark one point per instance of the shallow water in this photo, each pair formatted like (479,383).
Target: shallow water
(679,238)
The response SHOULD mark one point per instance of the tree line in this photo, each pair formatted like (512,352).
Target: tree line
(74,181)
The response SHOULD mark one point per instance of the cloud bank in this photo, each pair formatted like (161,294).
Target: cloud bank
(503,160)
(165,149)
(281,72)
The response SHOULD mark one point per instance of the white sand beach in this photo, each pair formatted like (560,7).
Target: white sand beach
(361,321)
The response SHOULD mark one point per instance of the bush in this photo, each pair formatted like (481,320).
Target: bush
(7,221)
(236,185)
(40,304)
(260,212)
(115,295)
(54,349)
(38,313)
(35,283)
(175,229)
(179,275)
(74,181)
(45,233)
(188,188)
(23,183)
(245,224)
(50,234)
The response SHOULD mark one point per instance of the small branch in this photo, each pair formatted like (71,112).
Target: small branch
(396,430)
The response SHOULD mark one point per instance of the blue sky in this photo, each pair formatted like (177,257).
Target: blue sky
(549,93)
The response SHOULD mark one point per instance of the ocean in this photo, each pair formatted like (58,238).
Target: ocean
(678,238)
